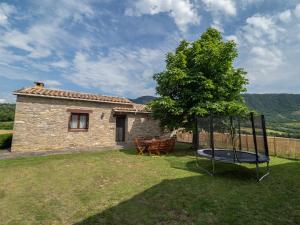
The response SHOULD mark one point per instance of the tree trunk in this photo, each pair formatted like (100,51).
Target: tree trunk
(195,143)
(195,135)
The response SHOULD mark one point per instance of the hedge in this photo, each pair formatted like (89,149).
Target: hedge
(5,141)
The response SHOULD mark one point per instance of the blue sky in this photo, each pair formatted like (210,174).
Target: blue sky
(114,47)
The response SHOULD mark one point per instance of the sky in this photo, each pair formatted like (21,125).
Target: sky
(113,47)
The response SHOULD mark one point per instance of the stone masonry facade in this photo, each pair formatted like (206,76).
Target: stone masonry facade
(41,123)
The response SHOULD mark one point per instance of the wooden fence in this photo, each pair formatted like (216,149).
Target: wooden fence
(278,146)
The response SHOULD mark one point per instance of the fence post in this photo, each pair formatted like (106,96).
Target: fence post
(247,142)
(274,143)
(289,147)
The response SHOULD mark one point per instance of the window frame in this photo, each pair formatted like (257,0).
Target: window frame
(78,129)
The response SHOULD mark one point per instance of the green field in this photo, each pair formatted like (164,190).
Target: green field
(289,129)
(119,187)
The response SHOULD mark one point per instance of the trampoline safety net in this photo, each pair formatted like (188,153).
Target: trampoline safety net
(236,133)
(233,140)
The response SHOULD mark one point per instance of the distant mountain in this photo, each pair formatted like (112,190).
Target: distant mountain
(277,107)
(143,99)
(282,111)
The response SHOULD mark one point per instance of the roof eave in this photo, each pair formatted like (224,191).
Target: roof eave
(130,111)
(68,98)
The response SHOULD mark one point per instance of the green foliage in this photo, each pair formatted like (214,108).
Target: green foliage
(199,78)
(5,140)
(7,112)
(6,125)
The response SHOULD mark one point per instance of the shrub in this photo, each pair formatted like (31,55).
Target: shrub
(5,141)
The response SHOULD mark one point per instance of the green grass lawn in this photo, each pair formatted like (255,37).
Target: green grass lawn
(119,187)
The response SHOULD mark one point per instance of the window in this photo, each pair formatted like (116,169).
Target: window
(79,122)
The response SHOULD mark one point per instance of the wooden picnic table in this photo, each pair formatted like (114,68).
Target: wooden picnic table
(157,149)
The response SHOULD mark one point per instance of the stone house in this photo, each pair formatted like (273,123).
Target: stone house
(48,119)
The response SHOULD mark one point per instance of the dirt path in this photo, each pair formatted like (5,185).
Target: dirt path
(5,131)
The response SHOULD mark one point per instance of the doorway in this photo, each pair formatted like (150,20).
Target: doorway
(120,128)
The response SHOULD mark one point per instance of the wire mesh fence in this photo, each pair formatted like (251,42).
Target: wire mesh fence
(278,146)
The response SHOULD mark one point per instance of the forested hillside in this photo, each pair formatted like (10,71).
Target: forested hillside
(143,99)
(282,111)
(277,107)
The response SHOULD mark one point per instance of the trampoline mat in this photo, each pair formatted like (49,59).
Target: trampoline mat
(227,155)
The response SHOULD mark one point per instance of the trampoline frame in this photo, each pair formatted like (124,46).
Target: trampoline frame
(213,159)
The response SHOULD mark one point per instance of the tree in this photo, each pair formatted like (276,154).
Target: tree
(199,79)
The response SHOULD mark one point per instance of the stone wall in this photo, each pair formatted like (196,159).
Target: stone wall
(42,124)
(141,125)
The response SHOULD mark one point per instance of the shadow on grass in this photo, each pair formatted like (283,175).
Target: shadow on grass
(228,198)
(222,170)
(180,149)
(232,171)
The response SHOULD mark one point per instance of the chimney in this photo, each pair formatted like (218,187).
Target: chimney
(39,84)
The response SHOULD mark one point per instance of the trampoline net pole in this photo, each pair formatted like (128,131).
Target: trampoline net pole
(263,123)
(211,131)
(254,135)
(196,135)
(239,130)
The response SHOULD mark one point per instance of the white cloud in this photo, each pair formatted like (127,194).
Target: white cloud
(265,51)
(260,22)
(183,12)
(261,29)
(40,53)
(17,73)
(76,10)
(285,16)
(60,64)
(7,97)
(122,71)
(227,7)
(52,83)
(48,35)
(297,11)
(266,58)
(16,39)
(24,51)
(5,11)
(217,25)
(232,38)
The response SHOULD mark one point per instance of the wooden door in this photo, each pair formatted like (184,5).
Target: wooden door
(120,128)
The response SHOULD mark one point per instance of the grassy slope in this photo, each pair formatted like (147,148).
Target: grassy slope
(119,187)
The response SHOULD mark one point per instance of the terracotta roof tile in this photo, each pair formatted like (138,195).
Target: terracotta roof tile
(134,108)
(44,92)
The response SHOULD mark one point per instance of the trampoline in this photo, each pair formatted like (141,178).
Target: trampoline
(227,156)
(233,140)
